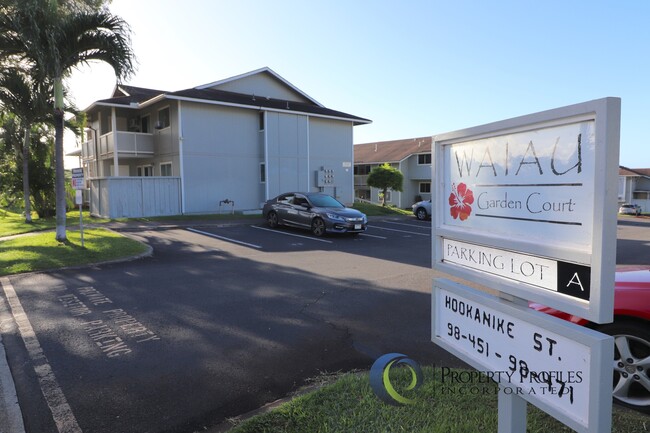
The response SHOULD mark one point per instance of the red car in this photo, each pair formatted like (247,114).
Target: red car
(631,332)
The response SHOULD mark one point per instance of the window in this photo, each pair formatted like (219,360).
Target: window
(163,118)
(262,172)
(261,120)
(425,187)
(166,169)
(361,170)
(144,124)
(424,159)
(145,170)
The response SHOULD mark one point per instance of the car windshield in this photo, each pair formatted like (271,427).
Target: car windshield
(325,201)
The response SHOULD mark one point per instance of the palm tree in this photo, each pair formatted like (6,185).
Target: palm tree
(29,102)
(51,42)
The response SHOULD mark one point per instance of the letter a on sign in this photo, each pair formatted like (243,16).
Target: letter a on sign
(576,280)
(573,280)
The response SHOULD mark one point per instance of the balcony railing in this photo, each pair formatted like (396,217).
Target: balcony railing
(361,180)
(129,144)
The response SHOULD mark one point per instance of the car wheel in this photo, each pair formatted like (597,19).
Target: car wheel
(318,227)
(272,219)
(421,214)
(631,363)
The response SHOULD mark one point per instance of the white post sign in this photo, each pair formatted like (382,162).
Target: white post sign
(527,206)
(78,178)
(562,368)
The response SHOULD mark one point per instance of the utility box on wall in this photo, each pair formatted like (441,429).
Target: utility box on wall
(325,177)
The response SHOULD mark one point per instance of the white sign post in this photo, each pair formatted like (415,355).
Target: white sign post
(527,207)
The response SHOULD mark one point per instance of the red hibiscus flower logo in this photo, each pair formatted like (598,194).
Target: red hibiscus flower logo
(460,200)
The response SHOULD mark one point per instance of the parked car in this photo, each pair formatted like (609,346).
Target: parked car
(630,209)
(631,332)
(320,213)
(422,209)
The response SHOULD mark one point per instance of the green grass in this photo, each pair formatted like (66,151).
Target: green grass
(12,223)
(40,251)
(375,210)
(349,405)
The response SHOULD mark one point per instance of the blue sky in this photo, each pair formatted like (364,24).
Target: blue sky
(415,68)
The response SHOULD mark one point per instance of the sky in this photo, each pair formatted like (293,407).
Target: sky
(415,67)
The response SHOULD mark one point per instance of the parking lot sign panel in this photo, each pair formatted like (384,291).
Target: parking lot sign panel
(540,187)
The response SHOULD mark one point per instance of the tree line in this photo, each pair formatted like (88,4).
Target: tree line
(41,42)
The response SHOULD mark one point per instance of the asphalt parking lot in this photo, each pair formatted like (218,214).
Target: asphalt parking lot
(220,320)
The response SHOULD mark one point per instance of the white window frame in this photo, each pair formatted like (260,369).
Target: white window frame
(424,154)
(141,170)
(169,118)
(171,168)
(420,187)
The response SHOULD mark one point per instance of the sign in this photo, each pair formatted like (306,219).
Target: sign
(78,178)
(538,192)
(563,277)
(562,368)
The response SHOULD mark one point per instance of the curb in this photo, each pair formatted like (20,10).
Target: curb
(11,417)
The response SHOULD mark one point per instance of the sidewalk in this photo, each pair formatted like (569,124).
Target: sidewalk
(11,417)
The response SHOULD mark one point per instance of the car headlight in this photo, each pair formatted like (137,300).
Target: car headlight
(334,217)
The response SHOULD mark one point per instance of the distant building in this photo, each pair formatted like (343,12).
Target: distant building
(411,156)
(235,142)
(634,187)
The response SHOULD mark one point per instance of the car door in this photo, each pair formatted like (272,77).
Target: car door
(302,208)
(283,207)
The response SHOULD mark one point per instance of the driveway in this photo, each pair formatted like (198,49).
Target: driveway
(219,321)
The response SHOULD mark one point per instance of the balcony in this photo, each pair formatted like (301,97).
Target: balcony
(129,145)
(360,180)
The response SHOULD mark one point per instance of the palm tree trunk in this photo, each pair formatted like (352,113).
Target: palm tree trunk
(61,235)
(28,207)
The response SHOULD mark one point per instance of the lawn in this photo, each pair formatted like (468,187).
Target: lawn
(349,405)
(375,210)
(12,223)
(40,251)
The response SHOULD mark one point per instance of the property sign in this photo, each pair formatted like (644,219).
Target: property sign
(527,206)
(562,368)
(563,277)
(78,178)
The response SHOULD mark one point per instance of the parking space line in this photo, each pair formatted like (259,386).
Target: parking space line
(408,225)
(291,234)
(223,238)
(401,231)
(61,411)
(372,236)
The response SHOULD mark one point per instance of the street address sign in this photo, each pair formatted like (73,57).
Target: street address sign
(78,178)
(527,206)
(560,367)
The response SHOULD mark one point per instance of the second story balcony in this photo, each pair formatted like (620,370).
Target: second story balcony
(128,144)
(360,180)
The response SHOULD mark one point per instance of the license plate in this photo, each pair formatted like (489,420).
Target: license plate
(357,226)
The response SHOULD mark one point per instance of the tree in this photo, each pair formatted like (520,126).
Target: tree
(40,159)
(50,41)
(385,177)
(28,101)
